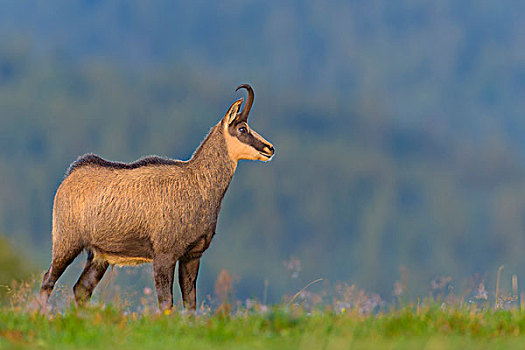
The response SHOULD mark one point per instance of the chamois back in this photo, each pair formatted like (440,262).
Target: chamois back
(93,159)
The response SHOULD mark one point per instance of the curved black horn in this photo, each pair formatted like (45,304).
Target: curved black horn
(243,115)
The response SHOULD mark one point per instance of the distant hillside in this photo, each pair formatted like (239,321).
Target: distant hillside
(454,65)
(398,127)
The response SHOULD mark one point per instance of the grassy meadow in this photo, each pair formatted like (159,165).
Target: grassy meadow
(347,319)
(280,327)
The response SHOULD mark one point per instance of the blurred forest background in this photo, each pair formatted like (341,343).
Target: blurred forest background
(398,127)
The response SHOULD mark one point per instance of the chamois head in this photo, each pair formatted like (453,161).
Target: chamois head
(241,140)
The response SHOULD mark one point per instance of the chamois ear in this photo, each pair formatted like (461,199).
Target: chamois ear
(233,112)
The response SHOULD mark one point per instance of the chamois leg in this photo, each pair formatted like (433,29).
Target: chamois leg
(188,271)
(163,273)
(88,280)
(59,262)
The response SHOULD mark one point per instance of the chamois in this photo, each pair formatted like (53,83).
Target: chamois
(155,210)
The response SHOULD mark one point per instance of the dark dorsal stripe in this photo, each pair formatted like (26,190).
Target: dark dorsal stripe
(93,159)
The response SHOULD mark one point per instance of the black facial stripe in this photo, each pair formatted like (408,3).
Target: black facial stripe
(247,138)
(251,140)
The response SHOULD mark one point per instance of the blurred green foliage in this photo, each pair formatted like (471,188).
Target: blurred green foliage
(398,127)
(13,266)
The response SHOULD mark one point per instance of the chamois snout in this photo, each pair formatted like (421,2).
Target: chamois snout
(268,151)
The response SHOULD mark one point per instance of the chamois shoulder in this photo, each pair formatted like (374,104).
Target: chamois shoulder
(93,159)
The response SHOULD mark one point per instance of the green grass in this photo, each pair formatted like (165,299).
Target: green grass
(279,328)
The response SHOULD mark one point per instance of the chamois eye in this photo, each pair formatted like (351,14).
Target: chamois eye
(243,130)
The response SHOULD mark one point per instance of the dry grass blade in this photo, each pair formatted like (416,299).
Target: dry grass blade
(304,288)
